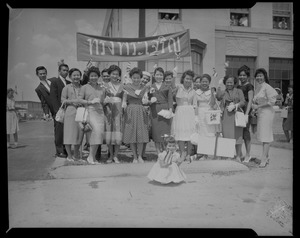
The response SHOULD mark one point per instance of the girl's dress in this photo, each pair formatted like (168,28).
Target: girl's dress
(203,104)
(165,170)
(183,122)
(113,125)
(135,117)
(265,115)
(12,121)
(160,125)
(72,133)
(95,112)
(229,129)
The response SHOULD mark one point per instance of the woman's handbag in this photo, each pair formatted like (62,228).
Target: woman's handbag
(240,119)
(81,114)
(85,126)
(60,115)
(284,112)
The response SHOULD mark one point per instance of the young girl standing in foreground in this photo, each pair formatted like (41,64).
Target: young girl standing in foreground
(166,169)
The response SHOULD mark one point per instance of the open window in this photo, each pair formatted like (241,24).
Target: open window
(169,15)
(282,15)
(239,17)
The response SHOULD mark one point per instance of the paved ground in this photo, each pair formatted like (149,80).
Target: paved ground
(47,192)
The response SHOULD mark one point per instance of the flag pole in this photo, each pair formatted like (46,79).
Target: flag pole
(190,50)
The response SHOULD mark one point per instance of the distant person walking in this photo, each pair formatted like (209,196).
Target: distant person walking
(12,121)
(287,123)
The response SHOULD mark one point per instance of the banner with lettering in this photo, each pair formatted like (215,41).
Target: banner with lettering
(98,48)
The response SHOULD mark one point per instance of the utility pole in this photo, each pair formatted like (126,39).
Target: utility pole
(142,33)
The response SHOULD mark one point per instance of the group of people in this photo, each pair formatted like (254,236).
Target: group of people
(151,107)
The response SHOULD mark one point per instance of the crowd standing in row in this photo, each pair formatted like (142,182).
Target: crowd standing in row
(150,107)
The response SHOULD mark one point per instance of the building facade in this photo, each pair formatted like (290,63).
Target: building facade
(29,109)
(259,37)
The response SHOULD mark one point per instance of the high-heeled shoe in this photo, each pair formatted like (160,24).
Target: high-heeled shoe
(90,161)
(264,163)
(116,160)
(247,160)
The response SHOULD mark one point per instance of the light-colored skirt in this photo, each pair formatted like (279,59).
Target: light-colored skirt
(72,133)
(265,117)
(12,122)
(166,175)
(96,120)
(183,123)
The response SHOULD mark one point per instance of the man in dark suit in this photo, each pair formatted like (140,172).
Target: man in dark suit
(43,92)
(56,87)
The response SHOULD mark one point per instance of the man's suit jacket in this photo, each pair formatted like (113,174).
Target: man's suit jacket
(55,93)
(44,96)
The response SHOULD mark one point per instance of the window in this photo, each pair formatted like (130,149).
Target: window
(197,62)
(169,15)
(235,62)
(239,17)
(282,15)
(280,72)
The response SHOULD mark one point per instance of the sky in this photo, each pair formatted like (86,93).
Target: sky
(43,37)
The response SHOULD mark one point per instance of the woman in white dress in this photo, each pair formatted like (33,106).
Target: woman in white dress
(183,123)
(263,102)
(205,101)
(12,121)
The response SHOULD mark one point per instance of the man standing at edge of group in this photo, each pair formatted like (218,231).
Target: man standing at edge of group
(57,84)
(43,92)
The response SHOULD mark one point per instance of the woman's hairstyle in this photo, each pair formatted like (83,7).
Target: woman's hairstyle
(197,76)
(62,65)
(73,70)
(185,73)
(171,139)
(136,70)
(167,73)
(160,69)
(93,69)
(9,90)
(264,72)
(290,86)
(114,67)
(244,68)
(205,76)
(40,68)
(235,80)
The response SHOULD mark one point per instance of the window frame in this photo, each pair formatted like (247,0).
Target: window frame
(240,12)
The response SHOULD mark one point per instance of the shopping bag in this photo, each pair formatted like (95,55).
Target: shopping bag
(60,115)
(81,114)
(240,119)
(284,113)
(225,146)
(213,117)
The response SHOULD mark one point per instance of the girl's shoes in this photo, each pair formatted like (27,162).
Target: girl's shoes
(264,163)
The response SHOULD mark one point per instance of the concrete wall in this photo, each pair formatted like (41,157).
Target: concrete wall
(261,15)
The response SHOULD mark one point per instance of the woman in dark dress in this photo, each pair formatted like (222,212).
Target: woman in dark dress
(248,90)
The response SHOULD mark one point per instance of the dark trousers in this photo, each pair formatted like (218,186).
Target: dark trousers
(59,137)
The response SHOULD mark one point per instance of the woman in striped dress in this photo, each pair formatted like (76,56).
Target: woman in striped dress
(135,116)
(113,130)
